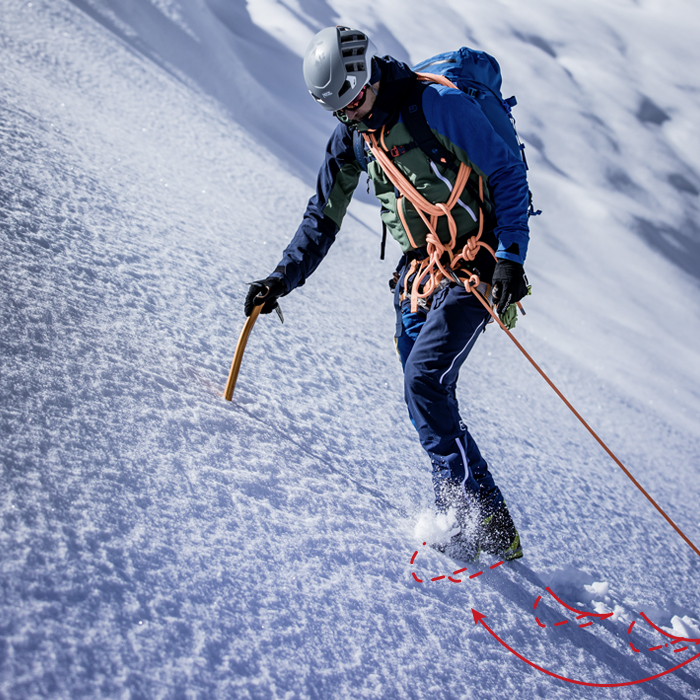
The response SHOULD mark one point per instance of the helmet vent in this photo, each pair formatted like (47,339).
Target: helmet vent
(356,51)
(351,36)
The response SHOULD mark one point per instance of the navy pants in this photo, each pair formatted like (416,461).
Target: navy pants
(432,346)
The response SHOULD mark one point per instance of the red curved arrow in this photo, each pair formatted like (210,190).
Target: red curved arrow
(670,636)
(579,613)
(479,618)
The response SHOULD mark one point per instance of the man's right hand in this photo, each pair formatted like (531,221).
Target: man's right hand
(266,292)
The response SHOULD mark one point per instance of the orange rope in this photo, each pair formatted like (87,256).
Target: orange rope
(436,78)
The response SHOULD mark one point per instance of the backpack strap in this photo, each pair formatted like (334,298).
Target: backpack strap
(358,146)
(363,158)
(413,117)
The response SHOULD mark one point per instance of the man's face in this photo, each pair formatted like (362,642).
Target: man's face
(362,105)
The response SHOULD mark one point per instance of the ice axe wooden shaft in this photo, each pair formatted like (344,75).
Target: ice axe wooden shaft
(238,355)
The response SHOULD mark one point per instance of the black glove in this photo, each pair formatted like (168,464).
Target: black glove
(268,291)
(509,284)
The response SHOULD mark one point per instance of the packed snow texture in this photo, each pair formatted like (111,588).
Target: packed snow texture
(159,542)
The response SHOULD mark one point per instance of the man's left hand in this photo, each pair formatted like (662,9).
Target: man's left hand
(509,284)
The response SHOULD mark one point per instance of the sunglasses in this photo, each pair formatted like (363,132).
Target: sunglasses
(358,101)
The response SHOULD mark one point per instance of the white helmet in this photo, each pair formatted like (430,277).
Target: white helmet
(337,65)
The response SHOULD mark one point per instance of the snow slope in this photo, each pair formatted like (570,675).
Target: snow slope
(158,542)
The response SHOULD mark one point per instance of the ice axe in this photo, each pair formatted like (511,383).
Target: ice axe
(240,347)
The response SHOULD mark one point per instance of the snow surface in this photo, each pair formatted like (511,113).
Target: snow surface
(159,542)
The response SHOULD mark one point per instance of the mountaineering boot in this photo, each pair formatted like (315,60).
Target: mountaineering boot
(499,536)
(460,547)
(464,545)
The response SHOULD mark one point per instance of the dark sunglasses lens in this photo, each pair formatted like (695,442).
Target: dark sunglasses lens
(358,100)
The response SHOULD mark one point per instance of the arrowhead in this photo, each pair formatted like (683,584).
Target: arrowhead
(478,617)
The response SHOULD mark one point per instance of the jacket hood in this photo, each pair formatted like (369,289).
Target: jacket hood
(396,81)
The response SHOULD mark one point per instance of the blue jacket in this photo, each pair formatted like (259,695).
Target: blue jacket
(461,127)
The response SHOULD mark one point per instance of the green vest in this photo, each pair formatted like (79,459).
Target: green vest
(432,181)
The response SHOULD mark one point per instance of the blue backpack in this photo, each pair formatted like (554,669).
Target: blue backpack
(478,75)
